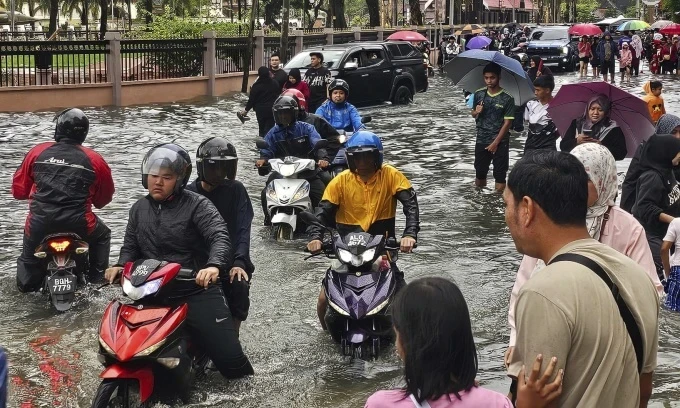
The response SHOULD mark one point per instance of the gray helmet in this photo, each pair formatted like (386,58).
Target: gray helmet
(167,156)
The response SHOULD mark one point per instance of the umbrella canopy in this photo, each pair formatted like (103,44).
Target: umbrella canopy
(406,36)
(671,29)
(629,111)
(660,24)
(470,29)
(466,72)
(479,42)
(584,29)
(633,25)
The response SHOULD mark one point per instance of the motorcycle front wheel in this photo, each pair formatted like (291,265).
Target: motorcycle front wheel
(118,393)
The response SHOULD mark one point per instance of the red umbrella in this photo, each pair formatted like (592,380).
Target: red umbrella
(585,29)
(407,36)
(671,29)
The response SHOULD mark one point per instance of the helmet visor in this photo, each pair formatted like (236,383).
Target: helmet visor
(216,169)
(162,161)
(284,116)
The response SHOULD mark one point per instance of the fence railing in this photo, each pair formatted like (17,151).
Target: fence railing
(230,54)
(161,59)
(24,63)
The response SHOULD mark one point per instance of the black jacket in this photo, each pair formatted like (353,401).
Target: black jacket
(186,229)
(630,183)
(318,80)
(655,196)
(326,131)
(263,93)
(615,141)
(232,201)
(280,76)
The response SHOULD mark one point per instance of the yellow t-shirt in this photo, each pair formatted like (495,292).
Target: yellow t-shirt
(363,204)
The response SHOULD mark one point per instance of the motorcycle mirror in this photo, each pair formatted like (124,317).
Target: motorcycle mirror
(366,119)
(261,144)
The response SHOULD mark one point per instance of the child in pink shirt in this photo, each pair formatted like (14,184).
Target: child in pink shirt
(625,61)
(434,340)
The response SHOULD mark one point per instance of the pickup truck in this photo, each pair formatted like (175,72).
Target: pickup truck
(376,71)
(554,46)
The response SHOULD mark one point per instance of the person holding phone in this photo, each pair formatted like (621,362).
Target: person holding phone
(596,126)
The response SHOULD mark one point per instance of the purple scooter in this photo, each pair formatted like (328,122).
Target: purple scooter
(359,286)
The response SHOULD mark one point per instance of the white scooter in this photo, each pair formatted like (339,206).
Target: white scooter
(289,195)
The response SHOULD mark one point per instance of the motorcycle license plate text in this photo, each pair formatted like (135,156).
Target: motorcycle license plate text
(62,284)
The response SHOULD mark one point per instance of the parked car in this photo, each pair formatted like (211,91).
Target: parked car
(376,71)
(553,45)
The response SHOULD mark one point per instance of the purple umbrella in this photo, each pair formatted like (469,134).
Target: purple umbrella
(479,42)
(629,111)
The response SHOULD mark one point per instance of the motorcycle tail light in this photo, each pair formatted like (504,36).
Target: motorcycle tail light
(60,246)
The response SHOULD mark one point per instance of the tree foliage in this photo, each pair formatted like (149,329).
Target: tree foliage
(168,25)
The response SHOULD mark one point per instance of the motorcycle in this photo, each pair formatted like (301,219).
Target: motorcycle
(289,195)
(359,286)
(143,345)
(64,259)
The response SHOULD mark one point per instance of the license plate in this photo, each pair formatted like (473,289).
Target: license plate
(62,284)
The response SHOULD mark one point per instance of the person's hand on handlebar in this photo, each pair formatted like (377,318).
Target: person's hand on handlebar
(111,274)
(314,246)
(407,244)
(260,162)
(323,164)
(207,276)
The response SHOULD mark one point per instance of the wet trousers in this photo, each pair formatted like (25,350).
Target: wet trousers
(29,272)
(209,322)
(265,120)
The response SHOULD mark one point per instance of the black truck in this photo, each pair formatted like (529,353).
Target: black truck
(554,46)
(376,71)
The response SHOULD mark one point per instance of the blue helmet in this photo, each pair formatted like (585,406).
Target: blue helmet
(364,142)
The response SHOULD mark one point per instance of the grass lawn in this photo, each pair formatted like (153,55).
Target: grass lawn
(58,61)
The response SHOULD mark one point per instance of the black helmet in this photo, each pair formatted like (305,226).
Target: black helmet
(285,111)
(216,160)
(71,124)
(169,156)
(339,84)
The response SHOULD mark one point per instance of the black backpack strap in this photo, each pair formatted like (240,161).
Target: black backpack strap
(624,310)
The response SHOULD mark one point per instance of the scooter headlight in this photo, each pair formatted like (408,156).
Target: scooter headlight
(337,308)
(287,170)
(150,349)
(136,293)
(344,255)
(378,308)
(106,347)
(271,191)
(302,192)
(368,255)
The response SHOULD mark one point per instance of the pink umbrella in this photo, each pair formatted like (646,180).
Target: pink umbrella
(407,36)
(629,111)
(671,29)
(585,29)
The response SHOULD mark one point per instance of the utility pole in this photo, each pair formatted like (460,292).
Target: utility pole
(249,52)
(11,16)
(283,50)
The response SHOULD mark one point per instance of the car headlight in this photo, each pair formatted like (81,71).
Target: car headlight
(344,255)
(337,308)
(302,191)
(271,191)
(138,292)
(106,346)
(287,170)
(150,349)
(565,50)
(378,308)
(367,256)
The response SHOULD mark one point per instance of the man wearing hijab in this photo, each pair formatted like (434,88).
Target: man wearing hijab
(596,126)
(263,93)
(608,52)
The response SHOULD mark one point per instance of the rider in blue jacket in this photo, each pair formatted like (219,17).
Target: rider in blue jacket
(290,137)
(337,111)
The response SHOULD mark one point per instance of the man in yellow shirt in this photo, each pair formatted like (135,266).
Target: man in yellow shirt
(365,199)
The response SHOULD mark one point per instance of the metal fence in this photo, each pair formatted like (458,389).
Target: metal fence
(313,30)
(314,40)
(161,59)
(24,63)
(230,53)
(272,45)
(343,38)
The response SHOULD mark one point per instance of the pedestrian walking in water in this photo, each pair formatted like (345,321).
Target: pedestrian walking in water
(638,52)
(625,62)
(608,52)
(277,71)
(295,82)
(584,55)
(595,60)
(592,307)
(317,77)
(434,340)
(263,93)
(494,112)
(543,133)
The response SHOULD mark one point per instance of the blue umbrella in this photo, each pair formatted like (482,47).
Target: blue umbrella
(477,43)
(466,72)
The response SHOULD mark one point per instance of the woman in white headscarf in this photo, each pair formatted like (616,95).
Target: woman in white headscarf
(636,45)
(606,223)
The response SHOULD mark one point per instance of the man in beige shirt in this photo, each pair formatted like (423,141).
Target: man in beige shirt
(566,310)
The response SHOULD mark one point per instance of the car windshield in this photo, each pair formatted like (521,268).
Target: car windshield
(547,35)
(331,59)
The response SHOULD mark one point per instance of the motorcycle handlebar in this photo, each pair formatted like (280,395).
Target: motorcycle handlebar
(186,273)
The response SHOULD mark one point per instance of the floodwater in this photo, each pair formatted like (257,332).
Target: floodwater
(463,237)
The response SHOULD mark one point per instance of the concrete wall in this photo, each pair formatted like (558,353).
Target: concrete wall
(51,97)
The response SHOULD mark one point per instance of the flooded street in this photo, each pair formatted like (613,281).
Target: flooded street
(463,237)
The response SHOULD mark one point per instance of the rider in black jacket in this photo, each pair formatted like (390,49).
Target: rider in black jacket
(174,225)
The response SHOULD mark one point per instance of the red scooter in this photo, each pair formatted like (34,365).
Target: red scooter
(143,344)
